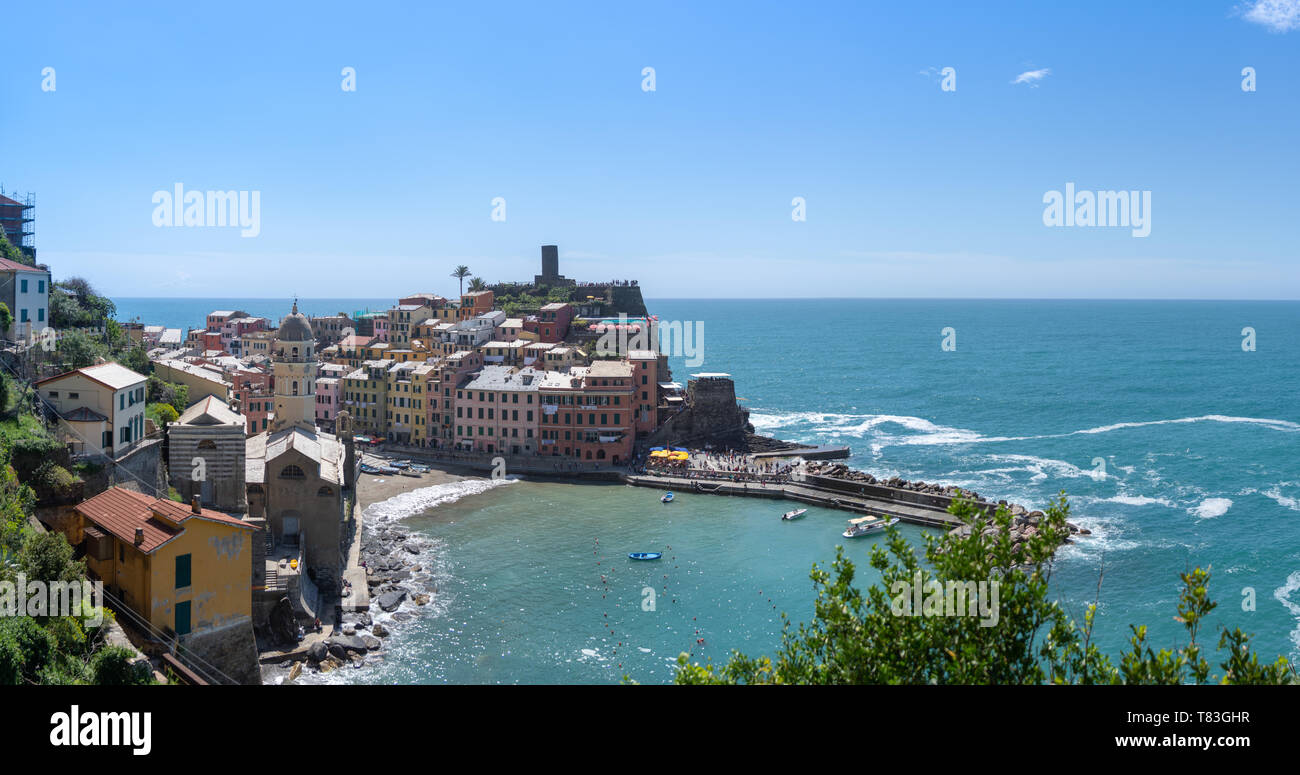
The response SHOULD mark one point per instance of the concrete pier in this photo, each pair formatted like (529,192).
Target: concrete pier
(805,492)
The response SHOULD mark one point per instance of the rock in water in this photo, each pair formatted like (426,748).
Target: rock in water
(389,601)
(318,651)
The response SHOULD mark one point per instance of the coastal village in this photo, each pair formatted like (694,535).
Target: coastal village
(231,536)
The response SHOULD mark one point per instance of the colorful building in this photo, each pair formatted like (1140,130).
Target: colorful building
(185,570)
(100,408)
(497,411)
(587,412)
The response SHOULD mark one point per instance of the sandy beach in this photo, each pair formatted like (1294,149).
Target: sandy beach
(376,488)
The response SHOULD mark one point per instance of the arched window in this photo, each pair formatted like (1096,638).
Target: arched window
(291,472)
(207,444)
(295,387)
(326,492)
(295,352)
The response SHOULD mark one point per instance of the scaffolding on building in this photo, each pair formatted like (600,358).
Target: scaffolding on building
(18,219)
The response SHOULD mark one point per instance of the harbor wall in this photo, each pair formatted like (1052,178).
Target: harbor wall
(891,494)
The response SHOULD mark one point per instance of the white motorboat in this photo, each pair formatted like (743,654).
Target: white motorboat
(862,526)
(792,515)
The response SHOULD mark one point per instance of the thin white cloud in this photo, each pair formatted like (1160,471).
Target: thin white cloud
(1277,15)
(1032,77)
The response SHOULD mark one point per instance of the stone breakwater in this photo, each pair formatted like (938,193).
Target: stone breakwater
(1025,522)
(398,581)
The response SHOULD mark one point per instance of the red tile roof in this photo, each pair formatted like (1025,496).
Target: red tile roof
(121,511)
(13,266)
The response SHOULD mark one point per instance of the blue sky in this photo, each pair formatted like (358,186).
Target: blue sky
(910,190)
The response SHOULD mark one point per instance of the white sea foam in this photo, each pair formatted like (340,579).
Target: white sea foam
(1130,500)
(413,502)
(928,433)
(1278,425)
(1283,595)
(1212,507)
(1041,467)
(1285,501)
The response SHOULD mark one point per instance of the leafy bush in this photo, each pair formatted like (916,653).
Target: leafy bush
(164,413)
(111,666)
(48,557)
(55,485)
(25,648)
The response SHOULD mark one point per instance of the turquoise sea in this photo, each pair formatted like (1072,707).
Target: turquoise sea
(1198,439)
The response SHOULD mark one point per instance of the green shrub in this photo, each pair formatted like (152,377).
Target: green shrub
(55,484)
(48,557)
(111,666)
(33,644)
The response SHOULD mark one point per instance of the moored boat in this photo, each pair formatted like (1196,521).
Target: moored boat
(866,525)
(644,555)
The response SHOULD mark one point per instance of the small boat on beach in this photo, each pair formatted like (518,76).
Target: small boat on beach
(408,472)
(793,515)
(867,525)
(668,498)
(400,463)
(420,468)
(366,468)
(644,555)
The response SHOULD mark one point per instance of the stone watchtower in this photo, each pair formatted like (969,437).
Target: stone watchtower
(714,412)
(294,366)
(551,268)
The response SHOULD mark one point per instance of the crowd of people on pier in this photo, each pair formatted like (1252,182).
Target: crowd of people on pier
(719,466)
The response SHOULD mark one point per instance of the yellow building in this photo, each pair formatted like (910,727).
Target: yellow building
(201,379)
(364,393)
(185,570)
(405,413)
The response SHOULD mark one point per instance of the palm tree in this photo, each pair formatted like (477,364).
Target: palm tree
(477,284)
(461,273)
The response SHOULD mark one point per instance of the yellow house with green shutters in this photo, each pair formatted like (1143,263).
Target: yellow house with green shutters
(184,574)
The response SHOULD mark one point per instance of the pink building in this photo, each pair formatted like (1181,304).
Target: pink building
(235,328)
(497,411)
(587,412)
(252,390)
(327,402)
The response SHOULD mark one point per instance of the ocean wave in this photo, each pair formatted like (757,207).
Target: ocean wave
(927,433)
(1285,501)
(413,502)
(1283,595)
(1041,467)
(1107,537)
(1211,508)
(1130,500)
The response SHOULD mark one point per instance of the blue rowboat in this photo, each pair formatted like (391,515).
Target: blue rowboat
(644,555)
(668,498)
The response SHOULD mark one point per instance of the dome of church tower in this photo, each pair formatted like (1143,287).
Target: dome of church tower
(295,327)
